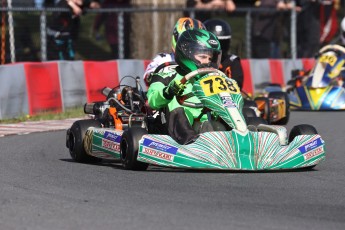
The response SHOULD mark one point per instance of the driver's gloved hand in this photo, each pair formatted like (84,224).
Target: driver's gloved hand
(175,88)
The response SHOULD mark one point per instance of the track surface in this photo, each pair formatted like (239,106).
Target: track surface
(41,188)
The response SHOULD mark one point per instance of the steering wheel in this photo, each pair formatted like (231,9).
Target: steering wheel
(332,47)
(165,64)
(182,99)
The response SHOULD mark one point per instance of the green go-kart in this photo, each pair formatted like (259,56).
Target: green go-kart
(129,132)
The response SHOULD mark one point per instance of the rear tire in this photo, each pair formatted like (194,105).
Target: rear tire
(130,147)
(255,121)
(75,141)
(284,96)
(303,129)
(248,112)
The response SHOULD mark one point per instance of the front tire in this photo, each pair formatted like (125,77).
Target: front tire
(130,147)
(303,129)
(75,141)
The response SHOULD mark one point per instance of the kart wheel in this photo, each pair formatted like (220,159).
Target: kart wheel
(248,112)
(75,141)
(249,103)
(263,104)
(129,149)
(255,121)
(301,130)
(283,96)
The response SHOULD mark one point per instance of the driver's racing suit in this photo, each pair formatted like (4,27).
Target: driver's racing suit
(179,119)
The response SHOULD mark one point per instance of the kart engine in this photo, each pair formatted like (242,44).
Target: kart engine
(122,108)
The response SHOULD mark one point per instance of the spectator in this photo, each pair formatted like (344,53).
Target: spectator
(63,28)
(227,5)
(308,28)
(329,21)
(266,34)
(110,22)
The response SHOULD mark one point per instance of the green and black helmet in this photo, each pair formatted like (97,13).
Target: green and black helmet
(192,43)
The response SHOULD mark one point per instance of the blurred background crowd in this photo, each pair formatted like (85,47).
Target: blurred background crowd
(43,30)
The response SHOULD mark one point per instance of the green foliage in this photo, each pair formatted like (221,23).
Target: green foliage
(68,113)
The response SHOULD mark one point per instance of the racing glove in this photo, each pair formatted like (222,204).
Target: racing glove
(175,88)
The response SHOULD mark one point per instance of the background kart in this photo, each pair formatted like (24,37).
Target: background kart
(272,105)
(322,88)
(125,129)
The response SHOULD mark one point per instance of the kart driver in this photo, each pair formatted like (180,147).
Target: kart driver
(195,49)
(230,63)
(181,25)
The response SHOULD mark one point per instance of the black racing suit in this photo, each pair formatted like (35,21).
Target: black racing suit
(231,66)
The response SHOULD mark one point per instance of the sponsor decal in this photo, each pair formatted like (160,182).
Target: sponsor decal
(110,145)
(213,42)
(99,131)
(160,146)
(228,102)
(313,153)
(155,153)
(310,146)
(112,137)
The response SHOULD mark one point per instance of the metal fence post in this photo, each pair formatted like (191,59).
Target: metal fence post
(293,32)
(11,32)
(248,34)
(120,31)
(43,27)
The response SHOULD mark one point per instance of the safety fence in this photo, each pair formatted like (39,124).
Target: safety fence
(150,31)
(32,87)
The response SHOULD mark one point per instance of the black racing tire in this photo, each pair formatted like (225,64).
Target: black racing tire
(249,103)
(248,113)
(283,96)
(302,129)
(129,149)
(75,141)
(265,112)
(255,121)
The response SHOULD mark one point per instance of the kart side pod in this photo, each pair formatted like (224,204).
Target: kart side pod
(279,130)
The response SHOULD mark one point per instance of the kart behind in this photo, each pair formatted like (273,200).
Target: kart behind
(124,128)
(272,104)
(322,88)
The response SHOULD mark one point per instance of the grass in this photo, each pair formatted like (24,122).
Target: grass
(68,113)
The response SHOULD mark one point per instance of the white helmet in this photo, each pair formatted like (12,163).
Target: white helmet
(342,31)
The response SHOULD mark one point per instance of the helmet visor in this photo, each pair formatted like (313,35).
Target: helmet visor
(205,57)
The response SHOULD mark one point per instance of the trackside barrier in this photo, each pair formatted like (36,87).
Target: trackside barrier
(29,88)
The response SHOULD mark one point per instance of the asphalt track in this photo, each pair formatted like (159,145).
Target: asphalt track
(41,188)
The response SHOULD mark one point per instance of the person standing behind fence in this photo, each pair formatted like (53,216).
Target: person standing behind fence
(308,28)
(63,27)
(227,5)
(110,22)
(267,29)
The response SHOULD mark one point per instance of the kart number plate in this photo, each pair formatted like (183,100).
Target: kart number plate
(214,84)
(329,59)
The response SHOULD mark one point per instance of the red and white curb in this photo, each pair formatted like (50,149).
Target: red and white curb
(27,127)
